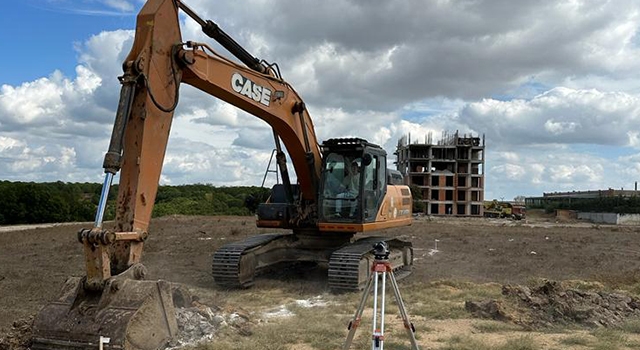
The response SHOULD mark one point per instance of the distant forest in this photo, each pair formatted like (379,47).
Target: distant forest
(31,203)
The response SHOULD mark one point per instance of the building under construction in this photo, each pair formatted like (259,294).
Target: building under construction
(449,172)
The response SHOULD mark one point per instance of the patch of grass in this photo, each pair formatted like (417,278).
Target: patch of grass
(575,340)
(556,329)
(459,342)
(438,310)
(635,289)
(467,343)
(451,290)
(445,299)
(584,285)
(525,342)
(319,327)
(316,327)
(631,326)
(608,338)
(609,334)
(495,327)
(605,346)
(621,280)
(392,345)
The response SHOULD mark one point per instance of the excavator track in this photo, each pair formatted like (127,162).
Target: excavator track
(236,265)
(233,268)
(350,266)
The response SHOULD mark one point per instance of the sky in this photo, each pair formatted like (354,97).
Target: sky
(553,86)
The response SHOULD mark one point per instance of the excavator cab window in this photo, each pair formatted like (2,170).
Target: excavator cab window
(374,185)
(341,190)
(353,185)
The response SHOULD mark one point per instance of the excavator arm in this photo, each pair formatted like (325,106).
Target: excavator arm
(264,96)
(157,64)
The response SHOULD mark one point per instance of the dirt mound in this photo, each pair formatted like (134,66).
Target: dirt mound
(19,337)
(198,322)
(552,304)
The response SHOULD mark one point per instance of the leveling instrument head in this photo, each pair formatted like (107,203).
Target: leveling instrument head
(381,250)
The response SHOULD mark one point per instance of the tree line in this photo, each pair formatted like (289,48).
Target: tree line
(31,203)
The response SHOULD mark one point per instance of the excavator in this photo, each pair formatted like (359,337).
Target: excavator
(343,192)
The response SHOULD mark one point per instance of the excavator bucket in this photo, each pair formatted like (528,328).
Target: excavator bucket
(129,314)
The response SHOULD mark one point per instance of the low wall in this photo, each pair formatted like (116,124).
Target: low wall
(611,218)
(629,219)
(600,218)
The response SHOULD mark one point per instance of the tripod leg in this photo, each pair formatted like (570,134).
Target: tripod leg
(403,312)
(355,322)
(378,334)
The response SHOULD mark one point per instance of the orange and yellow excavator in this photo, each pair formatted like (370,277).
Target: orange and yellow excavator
(343,188)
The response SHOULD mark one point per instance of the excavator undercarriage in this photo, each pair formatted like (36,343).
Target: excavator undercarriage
(348,261)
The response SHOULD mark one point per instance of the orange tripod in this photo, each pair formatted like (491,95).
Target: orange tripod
(380,268)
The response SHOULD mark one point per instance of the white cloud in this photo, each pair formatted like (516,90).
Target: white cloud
(8,144)
(538,169)
(629,167)
(634,138)
(507,156)
(456,49)
(558,128)
(121,5)
(552,85)
(571,173)
(196,162)
(24,163)
(510,171)
(560,115)
(23,106)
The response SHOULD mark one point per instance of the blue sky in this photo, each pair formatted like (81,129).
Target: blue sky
(40,36)
(553,85)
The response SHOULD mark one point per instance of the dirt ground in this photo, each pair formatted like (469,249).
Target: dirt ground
(34,262)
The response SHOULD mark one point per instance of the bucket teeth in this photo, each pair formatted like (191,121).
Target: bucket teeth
(134,315)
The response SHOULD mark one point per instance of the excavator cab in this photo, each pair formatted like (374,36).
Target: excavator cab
(351,189)
(353,181)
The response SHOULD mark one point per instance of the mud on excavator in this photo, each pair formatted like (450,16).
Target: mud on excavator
(343,188)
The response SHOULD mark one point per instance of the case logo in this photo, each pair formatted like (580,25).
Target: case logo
(248,88)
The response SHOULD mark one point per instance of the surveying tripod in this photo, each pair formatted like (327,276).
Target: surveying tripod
(381,267)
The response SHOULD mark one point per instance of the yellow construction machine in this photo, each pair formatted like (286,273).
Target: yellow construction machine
(343,188)
(505,210)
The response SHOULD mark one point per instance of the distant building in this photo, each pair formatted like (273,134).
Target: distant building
(568,197)
(449,172)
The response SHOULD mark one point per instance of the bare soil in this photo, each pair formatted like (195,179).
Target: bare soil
(35,262)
